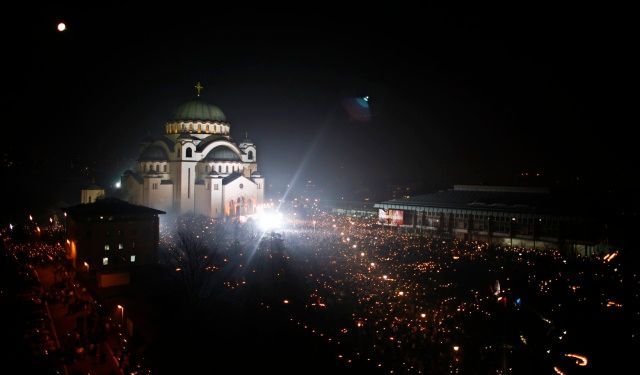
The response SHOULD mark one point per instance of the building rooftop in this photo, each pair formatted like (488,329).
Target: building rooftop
(500,198)
(110,206)
(230,178)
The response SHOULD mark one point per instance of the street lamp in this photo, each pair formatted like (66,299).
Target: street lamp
(121,308)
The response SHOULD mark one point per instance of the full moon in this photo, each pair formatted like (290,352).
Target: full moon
(62,27)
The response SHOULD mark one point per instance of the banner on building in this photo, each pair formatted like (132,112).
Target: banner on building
(390,217)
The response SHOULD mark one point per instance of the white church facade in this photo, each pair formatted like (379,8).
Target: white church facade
(195,167)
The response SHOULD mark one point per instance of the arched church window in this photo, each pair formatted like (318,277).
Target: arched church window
(207,169)
(207,128)
(250,155)
(226,169)
(189,152)
(199,128)
(157,167)
(219,169)
(164,168)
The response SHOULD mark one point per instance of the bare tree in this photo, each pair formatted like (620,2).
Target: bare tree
(194,264)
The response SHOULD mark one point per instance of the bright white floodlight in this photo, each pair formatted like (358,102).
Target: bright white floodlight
(270,221)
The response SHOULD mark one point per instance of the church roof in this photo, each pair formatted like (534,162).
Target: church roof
(197,110)
(109,206)
(168,141)
(222,153)
(212,138)
(186,136)
(133,174)
(153,153)
(230,178)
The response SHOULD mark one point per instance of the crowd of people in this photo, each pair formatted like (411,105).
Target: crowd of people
(403,302)
(88,335)
(380,299)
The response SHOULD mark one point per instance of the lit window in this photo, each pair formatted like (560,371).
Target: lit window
(133,258)
(120,246)
(106,247)
(105,261)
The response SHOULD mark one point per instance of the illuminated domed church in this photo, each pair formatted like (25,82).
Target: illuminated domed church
(195,167)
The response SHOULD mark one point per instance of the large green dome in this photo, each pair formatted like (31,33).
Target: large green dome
(198,110)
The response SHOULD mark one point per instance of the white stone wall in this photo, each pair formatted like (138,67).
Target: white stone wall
(185,182)
(202,199)
(132,190)
(157,195)
(259,189)
(90,195)
(183,195)
(217,208)
(240,197)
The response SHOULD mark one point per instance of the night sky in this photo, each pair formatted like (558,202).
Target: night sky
(468,95)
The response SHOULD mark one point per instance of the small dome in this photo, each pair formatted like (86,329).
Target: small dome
(198,110)
(222,153)
(153,153)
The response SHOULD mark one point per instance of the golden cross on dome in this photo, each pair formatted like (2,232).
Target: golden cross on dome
(199,88)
